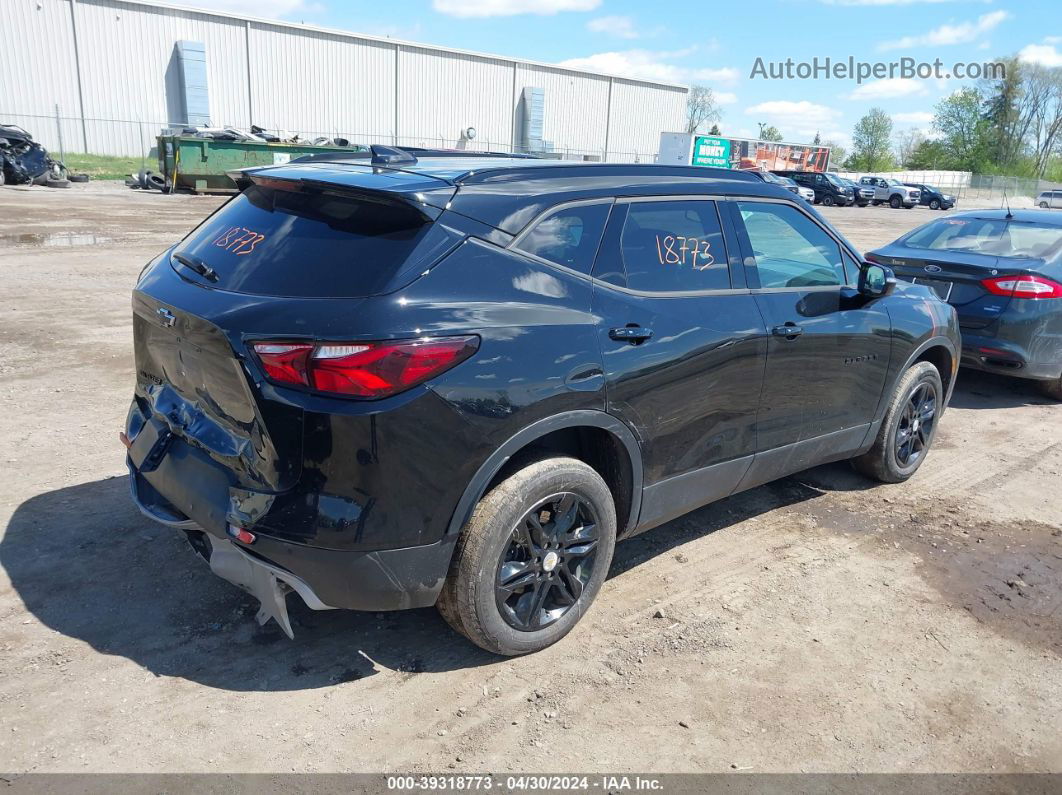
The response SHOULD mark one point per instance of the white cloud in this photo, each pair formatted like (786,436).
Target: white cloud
(620,27)
(889,87)
(1043,54)
(652,65)
(961,33)
(799,120)
(914,117)
(510,8)
(271,9)
(725,97)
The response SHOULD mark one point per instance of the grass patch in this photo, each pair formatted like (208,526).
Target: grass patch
(106,166)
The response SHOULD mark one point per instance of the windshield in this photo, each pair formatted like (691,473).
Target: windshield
(996,236)
(835,180)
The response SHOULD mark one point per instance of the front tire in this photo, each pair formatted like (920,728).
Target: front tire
(934,205)
(532,558)
(895,202)
(1043,205)
(827,201)
(908,429)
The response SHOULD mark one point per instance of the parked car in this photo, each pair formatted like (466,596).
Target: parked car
(829,190)
(458,381)
(1002,271)
(933,198)
(1049,199)
(891,192)
(864,194)
(807,194)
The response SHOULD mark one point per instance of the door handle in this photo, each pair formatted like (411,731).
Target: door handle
(790,331)
(631,334)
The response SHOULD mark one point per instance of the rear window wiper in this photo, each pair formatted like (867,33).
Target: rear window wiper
(197,265)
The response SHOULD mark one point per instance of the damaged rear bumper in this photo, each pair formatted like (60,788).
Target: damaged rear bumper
(325,579)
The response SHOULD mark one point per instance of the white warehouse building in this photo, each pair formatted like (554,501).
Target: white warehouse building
(105,76)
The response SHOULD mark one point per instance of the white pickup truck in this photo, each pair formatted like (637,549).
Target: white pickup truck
(892,192)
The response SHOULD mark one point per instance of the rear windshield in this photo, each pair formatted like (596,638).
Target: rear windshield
(995,236)
(268,241)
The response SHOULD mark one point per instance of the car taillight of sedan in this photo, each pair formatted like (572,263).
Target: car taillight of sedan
(1018,286)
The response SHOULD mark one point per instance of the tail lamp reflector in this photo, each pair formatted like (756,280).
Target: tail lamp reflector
(362,369)
(1023,286)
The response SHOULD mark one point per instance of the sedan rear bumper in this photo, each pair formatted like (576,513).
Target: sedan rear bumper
(1013,353)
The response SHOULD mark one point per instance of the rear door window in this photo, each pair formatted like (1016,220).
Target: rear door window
(674,246)
(569,236)
(280,242)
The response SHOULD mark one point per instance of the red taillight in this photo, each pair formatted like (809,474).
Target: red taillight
(362,369)
(873,258)
(1023,286)
(284,362)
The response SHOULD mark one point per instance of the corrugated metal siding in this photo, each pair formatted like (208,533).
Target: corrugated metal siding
(441,94)
(129,67)
(38,70)
(640,112)
(576,107)
(303,81)
(319,84)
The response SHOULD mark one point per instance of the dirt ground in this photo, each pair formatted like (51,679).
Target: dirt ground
(820,623)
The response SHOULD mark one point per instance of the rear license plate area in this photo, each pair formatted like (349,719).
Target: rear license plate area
(941,288)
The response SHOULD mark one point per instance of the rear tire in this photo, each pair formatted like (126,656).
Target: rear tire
(903,442)
(500,546)
(1053,389)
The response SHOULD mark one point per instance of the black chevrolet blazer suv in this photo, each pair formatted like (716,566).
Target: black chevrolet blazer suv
(407,380)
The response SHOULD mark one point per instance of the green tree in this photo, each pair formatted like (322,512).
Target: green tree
(929,155)
(965,132)
(871,142)
(818,139)
(768,132)
(714,130)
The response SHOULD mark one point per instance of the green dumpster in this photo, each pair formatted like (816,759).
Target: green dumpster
(199,164)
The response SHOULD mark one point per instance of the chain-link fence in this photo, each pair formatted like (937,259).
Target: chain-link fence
(63,134)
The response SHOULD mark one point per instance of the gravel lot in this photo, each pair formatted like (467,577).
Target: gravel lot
(815,624)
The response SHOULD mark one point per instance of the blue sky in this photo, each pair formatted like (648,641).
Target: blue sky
(717,44)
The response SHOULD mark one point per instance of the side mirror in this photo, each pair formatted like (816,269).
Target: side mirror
(876,281)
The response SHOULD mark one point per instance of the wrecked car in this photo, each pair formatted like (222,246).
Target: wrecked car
(24,161)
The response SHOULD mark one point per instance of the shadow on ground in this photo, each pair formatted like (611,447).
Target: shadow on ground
(977,390)
(88,565)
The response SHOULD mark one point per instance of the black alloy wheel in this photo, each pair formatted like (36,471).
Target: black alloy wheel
(915,428)
(547,563)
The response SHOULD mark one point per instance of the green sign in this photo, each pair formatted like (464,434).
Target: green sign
(711,151)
